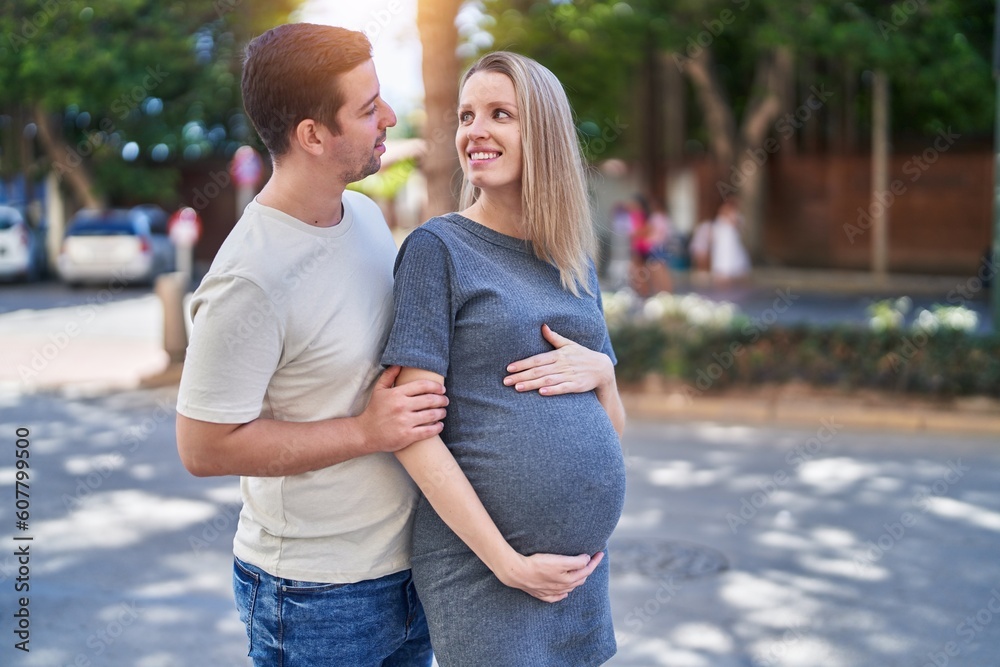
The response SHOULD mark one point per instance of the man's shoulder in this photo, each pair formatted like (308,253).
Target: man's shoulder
(362,205)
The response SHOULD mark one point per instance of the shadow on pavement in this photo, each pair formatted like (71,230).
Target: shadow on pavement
(739,546)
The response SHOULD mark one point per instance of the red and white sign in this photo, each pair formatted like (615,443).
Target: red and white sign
(246,167)
(184,227)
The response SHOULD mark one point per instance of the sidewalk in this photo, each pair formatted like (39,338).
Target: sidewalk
(739,545)
(82,350)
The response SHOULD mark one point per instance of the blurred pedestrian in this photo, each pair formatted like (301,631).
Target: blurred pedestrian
(648,233)
(660,232)
(729,259)
(700,251)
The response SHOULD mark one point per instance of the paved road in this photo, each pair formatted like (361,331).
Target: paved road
(841,549)
(53,294)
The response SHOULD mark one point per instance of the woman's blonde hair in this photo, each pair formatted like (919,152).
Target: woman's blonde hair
(557,215)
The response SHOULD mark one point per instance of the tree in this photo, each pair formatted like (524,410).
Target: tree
(122,93)
(439,41)
(745,61)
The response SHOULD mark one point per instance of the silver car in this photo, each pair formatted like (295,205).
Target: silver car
(21,248)
(120,246)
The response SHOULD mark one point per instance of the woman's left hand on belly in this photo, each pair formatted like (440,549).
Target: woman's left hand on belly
(568,369)
(545,576)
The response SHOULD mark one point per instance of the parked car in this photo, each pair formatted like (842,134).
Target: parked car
(22,250)
(128,246)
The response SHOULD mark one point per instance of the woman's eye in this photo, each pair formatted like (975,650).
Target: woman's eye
(500,113)
(464,117)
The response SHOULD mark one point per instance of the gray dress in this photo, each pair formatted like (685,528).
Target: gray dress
(549,469)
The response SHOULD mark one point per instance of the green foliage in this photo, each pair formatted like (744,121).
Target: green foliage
(946,363)
(386,183)
(156,73)
(935,53)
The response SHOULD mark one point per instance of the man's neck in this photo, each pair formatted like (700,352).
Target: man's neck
(305,196)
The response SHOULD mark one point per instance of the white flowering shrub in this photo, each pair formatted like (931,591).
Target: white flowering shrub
(690,309)
(888,314)
(953,318)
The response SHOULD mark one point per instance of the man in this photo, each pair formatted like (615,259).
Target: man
(281,384)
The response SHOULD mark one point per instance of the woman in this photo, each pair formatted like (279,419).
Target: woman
(537,439)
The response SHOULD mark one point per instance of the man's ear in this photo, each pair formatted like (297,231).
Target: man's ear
(310,136)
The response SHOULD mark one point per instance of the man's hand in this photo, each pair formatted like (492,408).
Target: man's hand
(399,416)
(568,369)
(548,577)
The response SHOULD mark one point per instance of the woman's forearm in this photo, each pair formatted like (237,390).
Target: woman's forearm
(548,577)
(447,489)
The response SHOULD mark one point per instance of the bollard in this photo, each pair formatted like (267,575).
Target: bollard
(171,288)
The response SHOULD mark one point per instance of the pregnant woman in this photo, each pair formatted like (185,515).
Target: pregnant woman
(537,441)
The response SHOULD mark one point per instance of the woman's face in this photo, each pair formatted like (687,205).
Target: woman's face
(489,132)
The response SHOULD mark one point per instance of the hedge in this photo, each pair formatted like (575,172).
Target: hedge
(942,363)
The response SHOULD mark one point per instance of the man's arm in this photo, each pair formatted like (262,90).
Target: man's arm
(394,418)
(432,466)
(570,369)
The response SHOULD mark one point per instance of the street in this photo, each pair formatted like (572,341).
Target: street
(739,545)
(54,294)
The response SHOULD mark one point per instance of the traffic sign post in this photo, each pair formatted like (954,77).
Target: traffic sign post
(184,229)
(247,169)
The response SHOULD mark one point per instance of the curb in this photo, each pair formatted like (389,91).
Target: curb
(975,416)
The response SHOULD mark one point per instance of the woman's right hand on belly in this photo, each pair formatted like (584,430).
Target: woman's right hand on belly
(548,577)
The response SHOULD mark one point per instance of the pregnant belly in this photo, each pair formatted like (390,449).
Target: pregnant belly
(553,480)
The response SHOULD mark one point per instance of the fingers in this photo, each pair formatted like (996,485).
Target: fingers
(592,565)
(388,377)
(555,339)
(543,359)
(426,402)
(418,387)
(427,431)
(576,563)
(525,384)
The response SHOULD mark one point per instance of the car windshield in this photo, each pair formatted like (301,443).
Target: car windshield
(102,227)
(7,222)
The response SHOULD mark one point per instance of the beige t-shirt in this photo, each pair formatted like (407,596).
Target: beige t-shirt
(289,325)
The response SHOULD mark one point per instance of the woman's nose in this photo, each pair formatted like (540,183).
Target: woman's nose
(477,129)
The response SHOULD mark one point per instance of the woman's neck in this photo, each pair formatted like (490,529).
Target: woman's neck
(502,214)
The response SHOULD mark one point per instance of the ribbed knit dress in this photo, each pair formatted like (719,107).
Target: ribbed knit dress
(549,469)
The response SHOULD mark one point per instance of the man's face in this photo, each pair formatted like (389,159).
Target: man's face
(363,120)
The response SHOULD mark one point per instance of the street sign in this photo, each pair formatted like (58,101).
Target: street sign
(246,167)
(184,227)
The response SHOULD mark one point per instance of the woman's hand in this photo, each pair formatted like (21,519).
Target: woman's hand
(548,577)
(568,369)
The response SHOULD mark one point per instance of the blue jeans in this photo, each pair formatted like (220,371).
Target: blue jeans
(375,623)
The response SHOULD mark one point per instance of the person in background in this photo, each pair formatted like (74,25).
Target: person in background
(730,262)
(660,232)
(649,231)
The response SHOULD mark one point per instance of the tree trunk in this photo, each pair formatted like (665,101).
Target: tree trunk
(880,175)
(745,168)
(65,161)
(439,39)
(772,78)
(718,113)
